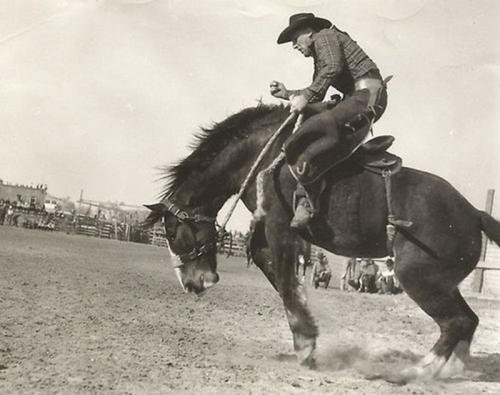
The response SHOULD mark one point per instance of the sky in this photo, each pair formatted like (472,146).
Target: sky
(97,95)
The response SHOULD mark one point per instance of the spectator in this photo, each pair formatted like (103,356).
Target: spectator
(3,211)
(10,215)
(387,282)
(367,280)
(348,274)
(355,273)
(321,271)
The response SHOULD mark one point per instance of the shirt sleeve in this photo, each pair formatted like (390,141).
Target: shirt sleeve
(328,64)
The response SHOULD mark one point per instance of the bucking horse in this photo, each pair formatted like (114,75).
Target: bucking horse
(435,236)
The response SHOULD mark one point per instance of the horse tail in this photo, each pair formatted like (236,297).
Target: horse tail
(490,226)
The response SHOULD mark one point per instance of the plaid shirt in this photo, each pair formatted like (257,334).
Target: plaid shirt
(338,62)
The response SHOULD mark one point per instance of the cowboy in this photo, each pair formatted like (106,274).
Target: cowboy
(331,136)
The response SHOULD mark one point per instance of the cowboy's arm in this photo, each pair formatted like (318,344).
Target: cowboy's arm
(278,89)
(328,63)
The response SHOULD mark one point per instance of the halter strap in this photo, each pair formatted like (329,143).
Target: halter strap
(198,251)
(183,215)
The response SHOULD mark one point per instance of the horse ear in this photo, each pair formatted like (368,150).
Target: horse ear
(157,212)
(158,207)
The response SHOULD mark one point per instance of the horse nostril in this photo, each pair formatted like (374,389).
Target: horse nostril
(210,279)
(189,286)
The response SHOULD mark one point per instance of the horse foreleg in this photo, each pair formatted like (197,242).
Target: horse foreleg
(260,254)
(292,292)
(302,325)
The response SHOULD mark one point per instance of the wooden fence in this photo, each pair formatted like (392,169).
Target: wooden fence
(233,246)
(157,236)
(87,226)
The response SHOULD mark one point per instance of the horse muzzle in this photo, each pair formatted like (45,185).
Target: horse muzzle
(198,285)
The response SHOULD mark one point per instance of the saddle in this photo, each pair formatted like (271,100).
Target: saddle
(373,156)
(314,154)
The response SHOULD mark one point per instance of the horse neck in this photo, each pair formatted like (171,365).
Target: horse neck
(210,188)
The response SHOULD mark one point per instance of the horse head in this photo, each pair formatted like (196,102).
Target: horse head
(192,240)
(198,186)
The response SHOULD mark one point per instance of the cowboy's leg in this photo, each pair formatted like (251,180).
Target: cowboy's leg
(304,136)
(330,145)
(324,129)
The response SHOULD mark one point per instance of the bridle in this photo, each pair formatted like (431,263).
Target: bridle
(184,216)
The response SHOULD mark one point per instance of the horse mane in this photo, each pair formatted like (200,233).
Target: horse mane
(209,142)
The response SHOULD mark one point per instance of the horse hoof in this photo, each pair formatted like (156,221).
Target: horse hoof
(397,378)
(455,366)
(426,370)
(306,357)
(304,348)
(310,363)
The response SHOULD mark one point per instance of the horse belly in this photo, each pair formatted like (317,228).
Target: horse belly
(357,214)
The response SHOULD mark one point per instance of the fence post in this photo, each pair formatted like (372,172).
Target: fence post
(490,197)
(478,279)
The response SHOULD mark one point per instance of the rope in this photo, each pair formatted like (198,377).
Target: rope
(253,169)
(393,224)
(260,212)
(390,229)
(386,174)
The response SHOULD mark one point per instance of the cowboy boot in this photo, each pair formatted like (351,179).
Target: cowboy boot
(303,210)
(303,214)
(307,203)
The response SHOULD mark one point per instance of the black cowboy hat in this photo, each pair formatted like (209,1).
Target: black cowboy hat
(304,19)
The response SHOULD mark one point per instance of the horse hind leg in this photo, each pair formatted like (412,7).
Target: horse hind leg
(457,323)
(461,353)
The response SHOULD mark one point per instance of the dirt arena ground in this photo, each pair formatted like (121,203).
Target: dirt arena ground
(83,315)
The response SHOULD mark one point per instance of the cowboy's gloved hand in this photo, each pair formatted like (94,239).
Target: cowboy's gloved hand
(278,89)
(298,103)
